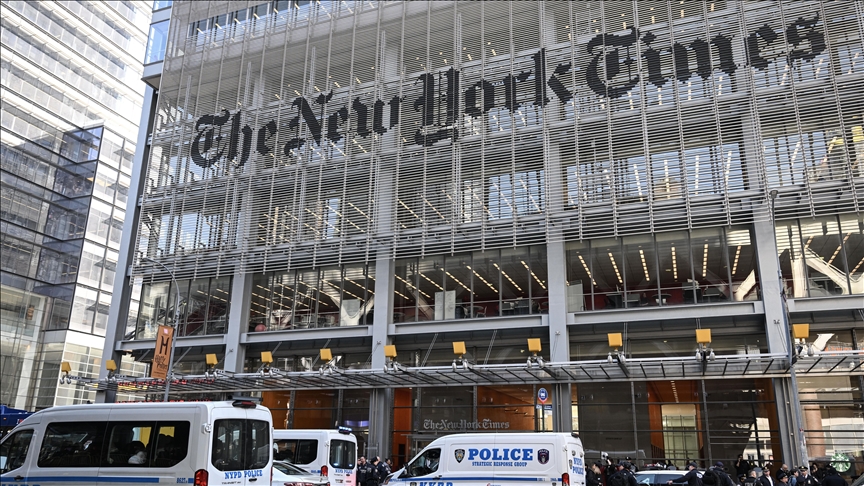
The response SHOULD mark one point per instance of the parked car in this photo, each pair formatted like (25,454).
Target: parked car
(658,478)
(287,474)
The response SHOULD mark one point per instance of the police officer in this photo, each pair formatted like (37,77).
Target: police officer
(361,471)
(691,478)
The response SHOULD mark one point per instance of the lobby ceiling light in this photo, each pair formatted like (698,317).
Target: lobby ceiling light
(481,279)
(674,264)
(507,277)
(615,266)
(644,266)
(435,283)
(735,264)
(705,261)
(586,270)
(539,282)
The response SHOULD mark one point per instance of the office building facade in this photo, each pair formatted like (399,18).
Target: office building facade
(356,175)
(71,99)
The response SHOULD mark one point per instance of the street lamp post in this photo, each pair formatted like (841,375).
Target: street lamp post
(176,326)
(787,328)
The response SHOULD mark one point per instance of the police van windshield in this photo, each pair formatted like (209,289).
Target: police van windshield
(425,463)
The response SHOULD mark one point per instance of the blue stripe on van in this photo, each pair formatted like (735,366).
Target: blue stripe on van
(83,479)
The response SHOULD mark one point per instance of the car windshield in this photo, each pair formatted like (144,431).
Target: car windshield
(288,468)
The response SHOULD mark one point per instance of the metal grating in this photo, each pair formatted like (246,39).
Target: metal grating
(293,136)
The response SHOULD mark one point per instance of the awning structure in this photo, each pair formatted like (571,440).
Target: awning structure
(397,376)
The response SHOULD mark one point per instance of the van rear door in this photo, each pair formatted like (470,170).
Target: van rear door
(341,460)
(240,446)
(575,460)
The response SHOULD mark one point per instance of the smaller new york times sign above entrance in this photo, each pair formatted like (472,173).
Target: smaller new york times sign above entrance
(445,98)
(485,424)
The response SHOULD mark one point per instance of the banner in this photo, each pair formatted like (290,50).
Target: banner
(162,353)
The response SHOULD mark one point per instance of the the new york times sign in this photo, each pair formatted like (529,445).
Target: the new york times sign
(610,73)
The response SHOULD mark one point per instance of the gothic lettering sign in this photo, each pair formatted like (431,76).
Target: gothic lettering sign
(444,101)
(463,424)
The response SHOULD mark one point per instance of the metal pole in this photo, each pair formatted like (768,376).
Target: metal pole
(176,326)
(803,459)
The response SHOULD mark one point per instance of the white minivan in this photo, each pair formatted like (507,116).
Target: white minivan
(330,453)
(203,443)
(537,459)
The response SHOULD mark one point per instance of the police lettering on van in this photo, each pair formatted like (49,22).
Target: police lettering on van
(552,459)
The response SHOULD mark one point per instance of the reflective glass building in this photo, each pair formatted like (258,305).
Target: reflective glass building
(71,101)
(359,174)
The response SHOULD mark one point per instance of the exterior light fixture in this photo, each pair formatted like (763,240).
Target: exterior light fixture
(391,365)
(329,365)
(65,368)
(535,347)
(460,362)
(703,352)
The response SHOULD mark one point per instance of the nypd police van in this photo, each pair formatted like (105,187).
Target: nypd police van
(201,444)
(329,453)
(538,459)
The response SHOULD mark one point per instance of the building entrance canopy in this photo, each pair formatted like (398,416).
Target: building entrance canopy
(535,372)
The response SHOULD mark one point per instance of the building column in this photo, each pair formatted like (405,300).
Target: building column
(122,292)
(776,334)
(559,340)
(238,322)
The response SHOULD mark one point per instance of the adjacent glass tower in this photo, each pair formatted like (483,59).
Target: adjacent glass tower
(71,99)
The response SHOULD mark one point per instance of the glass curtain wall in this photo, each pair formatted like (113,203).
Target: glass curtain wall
(204,306)
(313,298)
(822,257)
(672,268)
(505,282)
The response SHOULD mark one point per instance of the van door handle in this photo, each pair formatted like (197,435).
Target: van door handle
(19,478)
(253,479)
(437,477)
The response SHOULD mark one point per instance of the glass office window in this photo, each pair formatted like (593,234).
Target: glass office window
(505,282)
(313,298)
(157,42)
(822,257)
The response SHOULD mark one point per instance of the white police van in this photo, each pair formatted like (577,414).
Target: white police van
(329,453)
(203,444)
(501,459)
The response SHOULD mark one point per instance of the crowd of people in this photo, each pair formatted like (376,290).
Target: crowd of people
(373,472)
(607,472)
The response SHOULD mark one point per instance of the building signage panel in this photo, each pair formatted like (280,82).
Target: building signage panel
(463,424)
(446,97)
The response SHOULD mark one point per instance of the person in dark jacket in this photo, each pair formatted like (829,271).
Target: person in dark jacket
(592,475)
(766,479)
(805,479)
(832,478)
(361,471)
(742,466)
(626,476)
(373,474)
(691,477)
(383,471)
